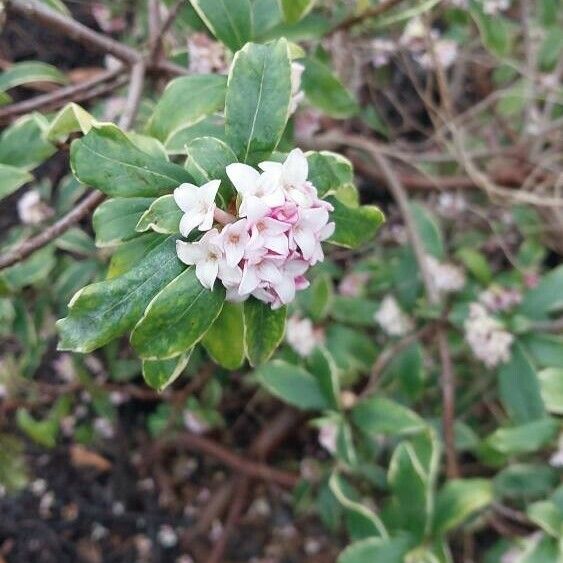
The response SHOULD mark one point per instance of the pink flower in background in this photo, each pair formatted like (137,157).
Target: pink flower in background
(266,252)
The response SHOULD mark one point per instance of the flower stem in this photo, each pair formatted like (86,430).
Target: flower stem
(223,217)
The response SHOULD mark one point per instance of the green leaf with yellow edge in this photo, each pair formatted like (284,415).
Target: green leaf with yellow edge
(159,374)
(163,216)
(257,102)
(263,330)
(30,72)
(224,341)
(12,178)
(354,225)
(329,171)
(229,20)
(177,318)
(294,10)
(105,310)
(458,500)
(325,91)
(292,384)
(70,119)
(186,101)
(114,221)
(108,160)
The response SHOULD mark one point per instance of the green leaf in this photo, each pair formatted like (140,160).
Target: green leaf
(70,119)
(329,171)
(550,50)
(32,270)
(354,310)
(321,364)
(163,216)
(545,349)
(551,383)
(325,91)
(211,126)
(128,254)
(185,101)
(224,341)
(547,516)
(208,159)
(379,415)
(525,481)
(263,330)
(258,97)
(114,221)
(108,160)
(229,20)
(294,10)
(476,263)
(354,225)
(429,230)
(545,298)
(374,550)
(318,298)
(520,389)
(12,178)
(177,318)
(292,384)
(43,432)
(407,367)
(103,311)
(494,30)
(526,438)
(411,489)
(362,523)
(23,144)
(28,72)
(77,241)
(352,350)
(458,500)
(159,374)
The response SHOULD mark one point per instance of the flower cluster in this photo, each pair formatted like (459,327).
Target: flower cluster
(266,250)
(392,319)
(486,336)
(497,298)
(448,278)
(302,335)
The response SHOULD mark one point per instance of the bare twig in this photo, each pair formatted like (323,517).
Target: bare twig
(155,51)
(50,233)
(369,13)
(91,201)
(88,89)
(239,463)
(39,13)
(133,96)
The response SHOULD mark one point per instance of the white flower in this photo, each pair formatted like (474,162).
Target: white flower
(448,278)
(300,335)
(206,255)
(296,94)
(486,336)
(235,238)
(556,460)
(206,56)
(194,423)
(493,7)
(382,51)
(198,205)
(445,51)
(31,210)
(259,192)
(391,318)
(351,285)
(497,298)
(451,204)
(167,536)
(328,434)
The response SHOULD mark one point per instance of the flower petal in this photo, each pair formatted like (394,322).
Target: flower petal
(244,177)
(185,196)
(189,253)
(295,168)
(206,272)
(189,222)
